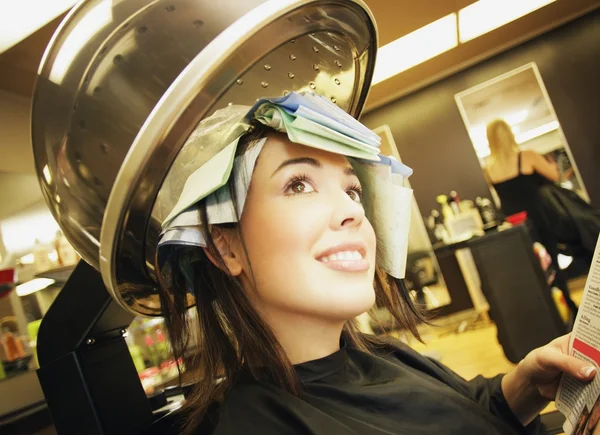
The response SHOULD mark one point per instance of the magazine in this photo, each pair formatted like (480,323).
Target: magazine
(580,401)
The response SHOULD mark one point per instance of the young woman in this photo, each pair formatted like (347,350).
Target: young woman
(517,177)
(276,295)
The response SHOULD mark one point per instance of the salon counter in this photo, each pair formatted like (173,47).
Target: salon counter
(458,278)
(508,275)
(20,395)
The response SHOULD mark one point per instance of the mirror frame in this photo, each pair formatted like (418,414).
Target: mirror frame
(533,66)
(389,147)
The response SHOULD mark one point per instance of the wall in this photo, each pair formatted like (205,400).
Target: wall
(431,135)
(19,231)
(18,182)
(15,134)
(19,191)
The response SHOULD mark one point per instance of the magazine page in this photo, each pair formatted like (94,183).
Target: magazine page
(579,401)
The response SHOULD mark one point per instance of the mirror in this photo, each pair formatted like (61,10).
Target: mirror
(519,97)
(422,270)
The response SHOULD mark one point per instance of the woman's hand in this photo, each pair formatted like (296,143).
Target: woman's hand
(534,381)
(543,367)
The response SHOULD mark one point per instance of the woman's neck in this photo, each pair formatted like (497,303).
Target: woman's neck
(305,339)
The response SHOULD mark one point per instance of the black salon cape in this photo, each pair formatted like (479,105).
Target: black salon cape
(396,391)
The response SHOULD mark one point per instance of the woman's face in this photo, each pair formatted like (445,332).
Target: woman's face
(311,250)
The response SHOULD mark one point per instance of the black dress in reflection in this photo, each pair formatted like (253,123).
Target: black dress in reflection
(524,193)
(394,391)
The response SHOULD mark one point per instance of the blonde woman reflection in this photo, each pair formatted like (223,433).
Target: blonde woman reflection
(517,177)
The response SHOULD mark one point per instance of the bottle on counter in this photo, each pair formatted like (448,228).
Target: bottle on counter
(436,229)
(67,256)
(432,219)
(13,346)
(447,211)
(454,202)
(466,205)
(486,210)
(41,257)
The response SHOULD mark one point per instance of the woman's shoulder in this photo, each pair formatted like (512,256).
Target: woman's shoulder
(530,159)
(252,406)
(401,354)
(529,156)
(239,394)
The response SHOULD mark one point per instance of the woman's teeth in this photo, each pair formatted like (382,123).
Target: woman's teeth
(342,256)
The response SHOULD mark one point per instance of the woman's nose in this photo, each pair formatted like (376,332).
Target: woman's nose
(346,212)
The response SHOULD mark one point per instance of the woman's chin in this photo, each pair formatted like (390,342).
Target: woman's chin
(351,302)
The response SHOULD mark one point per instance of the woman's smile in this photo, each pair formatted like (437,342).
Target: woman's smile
(346,257)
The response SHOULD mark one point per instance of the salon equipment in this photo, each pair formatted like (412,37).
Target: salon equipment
(420,273)
(120,88)
(524,311)
(123,84)
(513,284)
(464,224)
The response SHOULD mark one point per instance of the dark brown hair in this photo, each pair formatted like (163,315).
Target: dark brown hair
(230,333)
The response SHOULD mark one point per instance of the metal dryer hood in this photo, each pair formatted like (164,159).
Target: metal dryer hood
(124,82)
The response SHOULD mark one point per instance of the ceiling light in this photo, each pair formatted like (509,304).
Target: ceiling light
(535,132)
(479,131)
(35,285)
(416,47)
(516,117)
(21,18)
(486,15)
(482,149)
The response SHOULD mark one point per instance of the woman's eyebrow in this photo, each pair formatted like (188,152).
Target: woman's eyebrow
(299,161)
(309,161)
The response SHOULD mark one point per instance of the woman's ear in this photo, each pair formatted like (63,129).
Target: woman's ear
(226,241)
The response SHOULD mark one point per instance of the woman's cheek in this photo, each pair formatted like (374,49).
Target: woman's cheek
(296,229)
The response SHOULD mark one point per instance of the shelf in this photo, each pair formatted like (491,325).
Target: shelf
(58,274)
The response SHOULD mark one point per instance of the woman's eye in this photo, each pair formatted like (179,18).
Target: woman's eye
(300,186)
(355,195)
